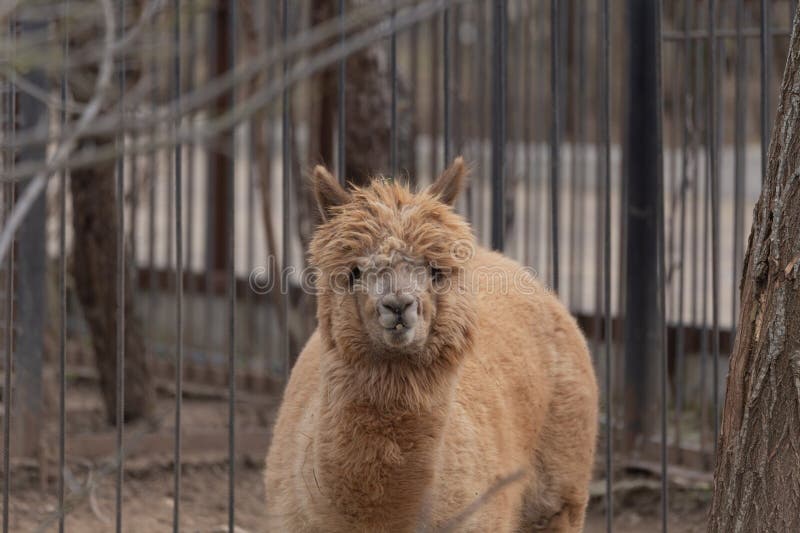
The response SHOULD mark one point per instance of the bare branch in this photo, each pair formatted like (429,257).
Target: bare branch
(370,17)
(37,185)
(247,107)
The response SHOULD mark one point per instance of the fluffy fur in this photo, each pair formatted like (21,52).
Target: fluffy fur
(488,424)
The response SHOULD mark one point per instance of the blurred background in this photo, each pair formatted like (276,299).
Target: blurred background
(155,158)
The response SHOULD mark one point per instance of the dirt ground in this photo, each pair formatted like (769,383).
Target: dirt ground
(148,505)
(148,494)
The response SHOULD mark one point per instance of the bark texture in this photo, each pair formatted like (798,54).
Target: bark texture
(94,263)
(94,267)
(368,114)
(368,95)
(757,478)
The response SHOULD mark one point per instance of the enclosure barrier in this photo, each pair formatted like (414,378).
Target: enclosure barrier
(183,101)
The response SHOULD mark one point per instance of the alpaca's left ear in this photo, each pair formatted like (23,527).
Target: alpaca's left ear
(450,182)
(327,191)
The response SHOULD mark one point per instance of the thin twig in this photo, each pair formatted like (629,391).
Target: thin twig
(37,185)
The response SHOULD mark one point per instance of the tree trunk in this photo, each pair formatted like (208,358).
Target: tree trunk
(94,263)
(368,102)
(367,138)
(757,478)
(94,267)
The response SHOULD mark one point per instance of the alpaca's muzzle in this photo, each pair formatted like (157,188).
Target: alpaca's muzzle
(398,312)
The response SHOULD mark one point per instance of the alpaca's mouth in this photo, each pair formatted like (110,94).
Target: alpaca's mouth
(400,334)
(398,329)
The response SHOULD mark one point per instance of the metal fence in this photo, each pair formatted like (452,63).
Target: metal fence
(618,162)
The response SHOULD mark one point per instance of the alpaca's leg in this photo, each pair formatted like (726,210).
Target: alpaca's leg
(569,519)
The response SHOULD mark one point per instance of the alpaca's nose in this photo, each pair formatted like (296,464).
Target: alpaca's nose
(397,304)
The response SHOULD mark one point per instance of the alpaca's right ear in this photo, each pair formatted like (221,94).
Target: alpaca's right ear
(449,183)
(328,192)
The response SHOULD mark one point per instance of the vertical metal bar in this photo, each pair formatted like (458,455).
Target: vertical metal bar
(286,162)
(11,108)
(662,278)
(580,153)
(572,94)
(703,212)
(217,56)
(536,173)
(434,113)
(62,286)
(555,136)
(342,115)
(176,96)
(31,267)
(527,131)
(413,52)
(133,172)
(120,280)
(605,141)
(151,198)
(515,122)
(480,86)
(765,84)
(599,173)
(704,301)
(643,149)
(251,332)
(191,284)
(712,162)
(684,184)
(672,186)
(739,131)
(393,81)
(498,123)
(231,209)
(446,124)
(457,86)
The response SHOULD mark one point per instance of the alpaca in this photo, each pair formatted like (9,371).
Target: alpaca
(444,388)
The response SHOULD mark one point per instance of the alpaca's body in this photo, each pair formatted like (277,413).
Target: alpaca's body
(523,399)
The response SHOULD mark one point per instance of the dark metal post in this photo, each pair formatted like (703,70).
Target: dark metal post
(714,192)
(446,119)
(217,193)
(766,61)
(739,132)
(31,268)
(555,136)
(62,288)
(120,283)
(393,83)
(177,154)
(498,123)
(342,102)
(286,163)
(231,253)
(9,189)
(604,132)
(642,324)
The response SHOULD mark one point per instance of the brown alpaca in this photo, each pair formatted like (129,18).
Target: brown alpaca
(444,387)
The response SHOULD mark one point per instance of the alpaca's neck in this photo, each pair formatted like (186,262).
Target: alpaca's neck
(377,444)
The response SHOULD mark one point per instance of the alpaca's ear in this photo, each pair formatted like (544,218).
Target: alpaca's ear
(449,183)
(327,191)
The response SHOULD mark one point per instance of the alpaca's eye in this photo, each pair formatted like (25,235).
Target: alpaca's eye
(437,274)
(355,274)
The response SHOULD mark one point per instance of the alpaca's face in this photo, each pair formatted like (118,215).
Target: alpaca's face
(394,295)
(391,266)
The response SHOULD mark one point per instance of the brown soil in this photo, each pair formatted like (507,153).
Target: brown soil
(148,504)
(148,495)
